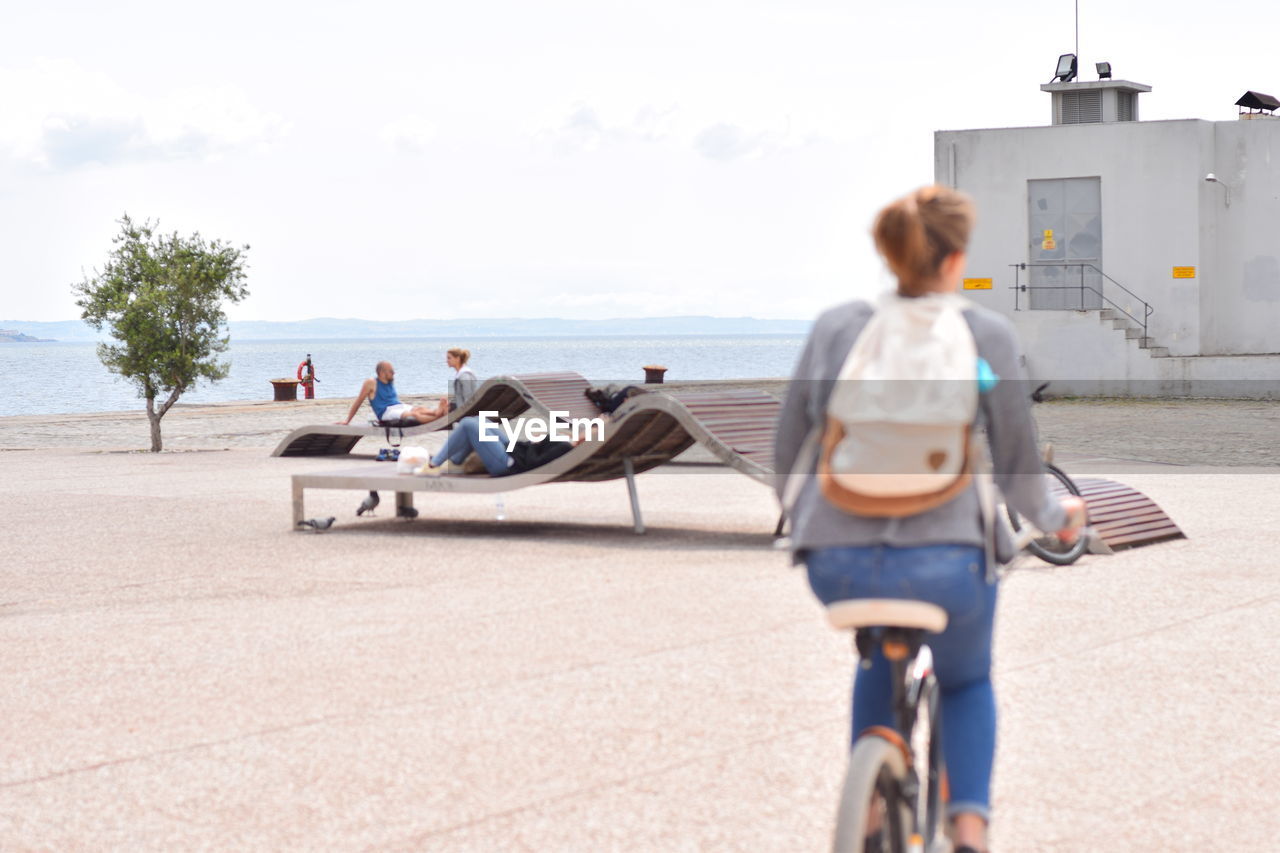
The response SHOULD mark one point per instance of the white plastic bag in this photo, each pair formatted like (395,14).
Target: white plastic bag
(411,459)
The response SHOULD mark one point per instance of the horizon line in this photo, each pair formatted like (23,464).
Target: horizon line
(617,319)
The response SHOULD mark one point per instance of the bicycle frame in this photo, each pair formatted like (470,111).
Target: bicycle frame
(914,687)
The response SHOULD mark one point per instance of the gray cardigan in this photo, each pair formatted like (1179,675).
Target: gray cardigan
(462,386)
(1004,411)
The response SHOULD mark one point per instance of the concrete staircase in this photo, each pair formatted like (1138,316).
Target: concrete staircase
(1132,331)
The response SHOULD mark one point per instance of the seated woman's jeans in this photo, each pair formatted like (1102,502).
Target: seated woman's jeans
(954,578)
(464,438)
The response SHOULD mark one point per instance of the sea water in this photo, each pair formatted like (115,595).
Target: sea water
(58,378)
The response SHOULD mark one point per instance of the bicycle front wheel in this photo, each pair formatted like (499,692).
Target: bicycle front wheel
(1050,548)
(873,814)
(926,748)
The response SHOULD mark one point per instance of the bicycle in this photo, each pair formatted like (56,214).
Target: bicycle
(895,790)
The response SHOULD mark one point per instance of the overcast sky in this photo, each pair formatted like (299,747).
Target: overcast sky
(515,158)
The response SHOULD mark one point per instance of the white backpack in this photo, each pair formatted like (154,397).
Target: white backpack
(897,437)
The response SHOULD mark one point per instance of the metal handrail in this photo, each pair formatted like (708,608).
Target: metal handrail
(1018,286)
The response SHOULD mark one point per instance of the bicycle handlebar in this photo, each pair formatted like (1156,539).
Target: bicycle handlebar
(1028,534)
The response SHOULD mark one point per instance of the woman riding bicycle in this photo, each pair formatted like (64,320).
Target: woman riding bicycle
(936,555)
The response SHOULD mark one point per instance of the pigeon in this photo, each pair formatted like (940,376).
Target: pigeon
(368,504)
(317,524)
(407,512)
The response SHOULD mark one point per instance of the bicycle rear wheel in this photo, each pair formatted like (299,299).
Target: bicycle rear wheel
(1050,548)
(871,803)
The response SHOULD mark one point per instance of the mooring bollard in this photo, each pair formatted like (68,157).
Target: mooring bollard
(285,389)
(653,374)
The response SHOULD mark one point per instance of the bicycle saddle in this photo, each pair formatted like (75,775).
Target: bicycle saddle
(887,613)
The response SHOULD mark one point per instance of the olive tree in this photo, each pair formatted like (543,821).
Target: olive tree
(160,297)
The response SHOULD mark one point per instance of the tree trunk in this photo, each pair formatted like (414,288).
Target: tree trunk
(156,445)
(154,417)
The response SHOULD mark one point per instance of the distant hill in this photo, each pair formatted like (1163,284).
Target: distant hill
(8,336)
(329,328)
(60,330)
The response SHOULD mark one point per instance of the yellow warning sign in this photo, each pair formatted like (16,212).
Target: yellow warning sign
(1048,244)
(1184,272)
(977,284)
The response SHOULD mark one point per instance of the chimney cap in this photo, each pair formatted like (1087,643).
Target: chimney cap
(1258,101)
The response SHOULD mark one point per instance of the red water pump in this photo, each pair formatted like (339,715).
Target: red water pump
(307,376)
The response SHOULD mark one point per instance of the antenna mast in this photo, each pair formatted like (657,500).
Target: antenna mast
(1077,31)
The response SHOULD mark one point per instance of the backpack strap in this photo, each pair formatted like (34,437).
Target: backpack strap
(399,434)
(989,496)
(984,479)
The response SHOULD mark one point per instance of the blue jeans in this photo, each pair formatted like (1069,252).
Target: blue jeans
(465,437)
(954,578)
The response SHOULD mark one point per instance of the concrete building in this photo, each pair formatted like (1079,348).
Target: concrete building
(1125,269)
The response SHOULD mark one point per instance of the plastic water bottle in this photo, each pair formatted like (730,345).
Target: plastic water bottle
(500,508)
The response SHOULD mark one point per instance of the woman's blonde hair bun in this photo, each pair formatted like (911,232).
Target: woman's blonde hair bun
(916,233)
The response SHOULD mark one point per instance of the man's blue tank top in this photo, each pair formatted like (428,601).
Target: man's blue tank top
(384,396)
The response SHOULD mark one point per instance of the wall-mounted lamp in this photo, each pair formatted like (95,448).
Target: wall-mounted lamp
(1213,179)
(1104,70)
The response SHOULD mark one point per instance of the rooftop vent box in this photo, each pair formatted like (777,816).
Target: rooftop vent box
(1098,101)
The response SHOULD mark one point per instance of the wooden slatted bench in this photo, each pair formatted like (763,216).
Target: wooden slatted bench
(1123,516)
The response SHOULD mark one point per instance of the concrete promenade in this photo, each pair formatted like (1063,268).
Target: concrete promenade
(181,671)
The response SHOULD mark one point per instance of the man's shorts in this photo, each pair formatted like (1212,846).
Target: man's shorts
(396,412)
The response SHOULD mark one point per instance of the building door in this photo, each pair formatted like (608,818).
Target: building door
(1064,253)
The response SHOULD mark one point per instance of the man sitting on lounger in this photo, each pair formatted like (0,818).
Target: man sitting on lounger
(381,394)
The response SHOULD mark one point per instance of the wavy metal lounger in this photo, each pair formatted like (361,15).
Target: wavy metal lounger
(647,431)
(507,395)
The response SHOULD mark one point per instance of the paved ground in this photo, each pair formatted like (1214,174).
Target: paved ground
(181,671)
(1230,433)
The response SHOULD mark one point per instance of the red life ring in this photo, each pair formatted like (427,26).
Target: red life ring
(308,380)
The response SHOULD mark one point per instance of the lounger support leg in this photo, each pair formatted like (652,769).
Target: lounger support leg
(782,522)
(297,504)
(631,490)
(404,500)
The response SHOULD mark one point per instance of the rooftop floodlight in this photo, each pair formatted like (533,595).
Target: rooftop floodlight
(1104,70)
(1066,69)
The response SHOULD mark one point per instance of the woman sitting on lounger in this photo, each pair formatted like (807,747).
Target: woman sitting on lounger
(464,382)
(382,397)
(464,440)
